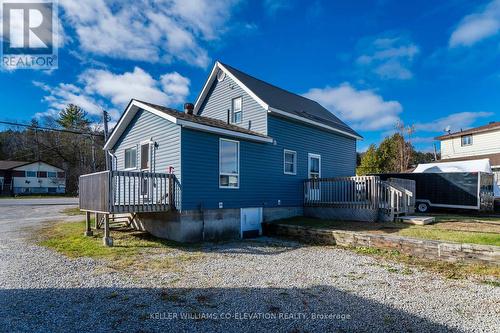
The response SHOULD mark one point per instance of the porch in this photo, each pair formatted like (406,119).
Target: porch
(109,194)
(360,198)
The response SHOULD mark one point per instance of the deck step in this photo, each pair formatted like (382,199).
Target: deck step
(417,220)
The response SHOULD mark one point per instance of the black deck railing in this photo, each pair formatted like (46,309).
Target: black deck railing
(129,192)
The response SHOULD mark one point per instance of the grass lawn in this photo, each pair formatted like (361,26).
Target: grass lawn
(476,230)
(73,211)
(131,249)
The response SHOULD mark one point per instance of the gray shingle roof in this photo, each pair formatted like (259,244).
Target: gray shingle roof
(202,120)
(6,165)
(286,101)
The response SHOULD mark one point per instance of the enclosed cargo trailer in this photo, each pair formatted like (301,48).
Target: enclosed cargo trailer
(464,190)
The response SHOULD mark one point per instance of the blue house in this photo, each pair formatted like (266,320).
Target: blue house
(240,156)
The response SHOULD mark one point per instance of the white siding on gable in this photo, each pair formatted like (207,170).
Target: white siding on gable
(219,101)
(147,126)
(482,144)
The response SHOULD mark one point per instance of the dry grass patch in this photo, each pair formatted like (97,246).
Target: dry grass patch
(132,250)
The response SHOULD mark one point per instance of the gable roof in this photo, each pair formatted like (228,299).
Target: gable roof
(485,128)
(280,101)
(6,165)
(183,119)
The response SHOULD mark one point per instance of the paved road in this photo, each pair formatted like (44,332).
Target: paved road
(14,218)
(38,202)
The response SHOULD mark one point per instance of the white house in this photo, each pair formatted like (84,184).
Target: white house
(18,177)
(474,144)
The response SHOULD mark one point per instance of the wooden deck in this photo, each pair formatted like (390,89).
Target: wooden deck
(393,197)
(113,192)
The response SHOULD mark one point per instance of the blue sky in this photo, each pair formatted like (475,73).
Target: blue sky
(427,63)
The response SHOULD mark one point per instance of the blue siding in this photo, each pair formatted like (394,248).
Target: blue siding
(262,181)
(219,100)
(148,126)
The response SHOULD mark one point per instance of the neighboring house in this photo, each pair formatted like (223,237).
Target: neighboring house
(473,144)
(240,157)
(18,177)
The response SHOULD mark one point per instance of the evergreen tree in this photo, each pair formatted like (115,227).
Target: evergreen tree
(370,162)
(73,117)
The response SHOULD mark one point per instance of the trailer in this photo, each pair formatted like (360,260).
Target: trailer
(463,190)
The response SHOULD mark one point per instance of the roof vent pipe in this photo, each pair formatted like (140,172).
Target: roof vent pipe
(188,108)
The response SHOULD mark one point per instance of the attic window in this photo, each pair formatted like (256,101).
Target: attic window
(237,110)
(221,76)
(466,140)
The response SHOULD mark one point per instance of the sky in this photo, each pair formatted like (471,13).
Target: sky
(431,64)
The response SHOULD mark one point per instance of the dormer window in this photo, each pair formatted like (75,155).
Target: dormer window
(466,140)
(237,110)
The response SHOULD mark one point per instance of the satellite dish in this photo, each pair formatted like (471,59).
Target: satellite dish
(448,129)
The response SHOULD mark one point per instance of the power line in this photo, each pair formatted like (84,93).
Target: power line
(51,129)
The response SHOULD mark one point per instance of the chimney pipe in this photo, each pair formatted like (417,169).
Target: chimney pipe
(188,108)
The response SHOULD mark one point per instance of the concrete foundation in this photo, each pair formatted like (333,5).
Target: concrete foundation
(209,224)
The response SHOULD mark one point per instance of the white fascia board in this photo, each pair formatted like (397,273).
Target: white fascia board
(312,122)
(211,79)
(128,115)
(222,131)
(205,89)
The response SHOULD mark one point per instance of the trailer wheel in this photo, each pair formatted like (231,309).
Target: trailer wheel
(422,207)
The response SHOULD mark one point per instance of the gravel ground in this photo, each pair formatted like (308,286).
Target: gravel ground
(264,285)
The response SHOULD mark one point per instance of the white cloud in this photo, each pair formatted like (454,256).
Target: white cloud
(389,58)
(454,122)
(102,89)
(363,109)
(151,31)
(478,26)
(273,6)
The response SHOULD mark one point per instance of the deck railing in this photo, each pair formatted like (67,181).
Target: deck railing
(129,192)
(361,192)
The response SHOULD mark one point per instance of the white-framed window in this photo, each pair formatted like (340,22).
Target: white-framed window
(131,158)
(31,174)
(467,140)
(52,174)
(229,163)
(237,110)
(314,166)
(289,162)
(145,155)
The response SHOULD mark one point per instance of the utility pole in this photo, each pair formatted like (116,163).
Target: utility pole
(105,120)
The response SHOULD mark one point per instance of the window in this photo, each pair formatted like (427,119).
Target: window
(51,174)
(314,166)
(131,158)
(145,152)
(237,110)
(466,140)
(229,164)
(30,173)
(289,162)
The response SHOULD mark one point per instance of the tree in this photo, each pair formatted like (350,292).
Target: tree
(404,146)
(370,162)
(73,117)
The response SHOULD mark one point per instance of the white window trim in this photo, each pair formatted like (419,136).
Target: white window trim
(124,159)
(285,151)
(462,140)
(309,164)
(232,110)
(142,143)
(229,174)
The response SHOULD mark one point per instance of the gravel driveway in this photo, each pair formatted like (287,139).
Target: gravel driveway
(263,285)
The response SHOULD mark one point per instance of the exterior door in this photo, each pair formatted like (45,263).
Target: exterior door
(314,172)
(251,222)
